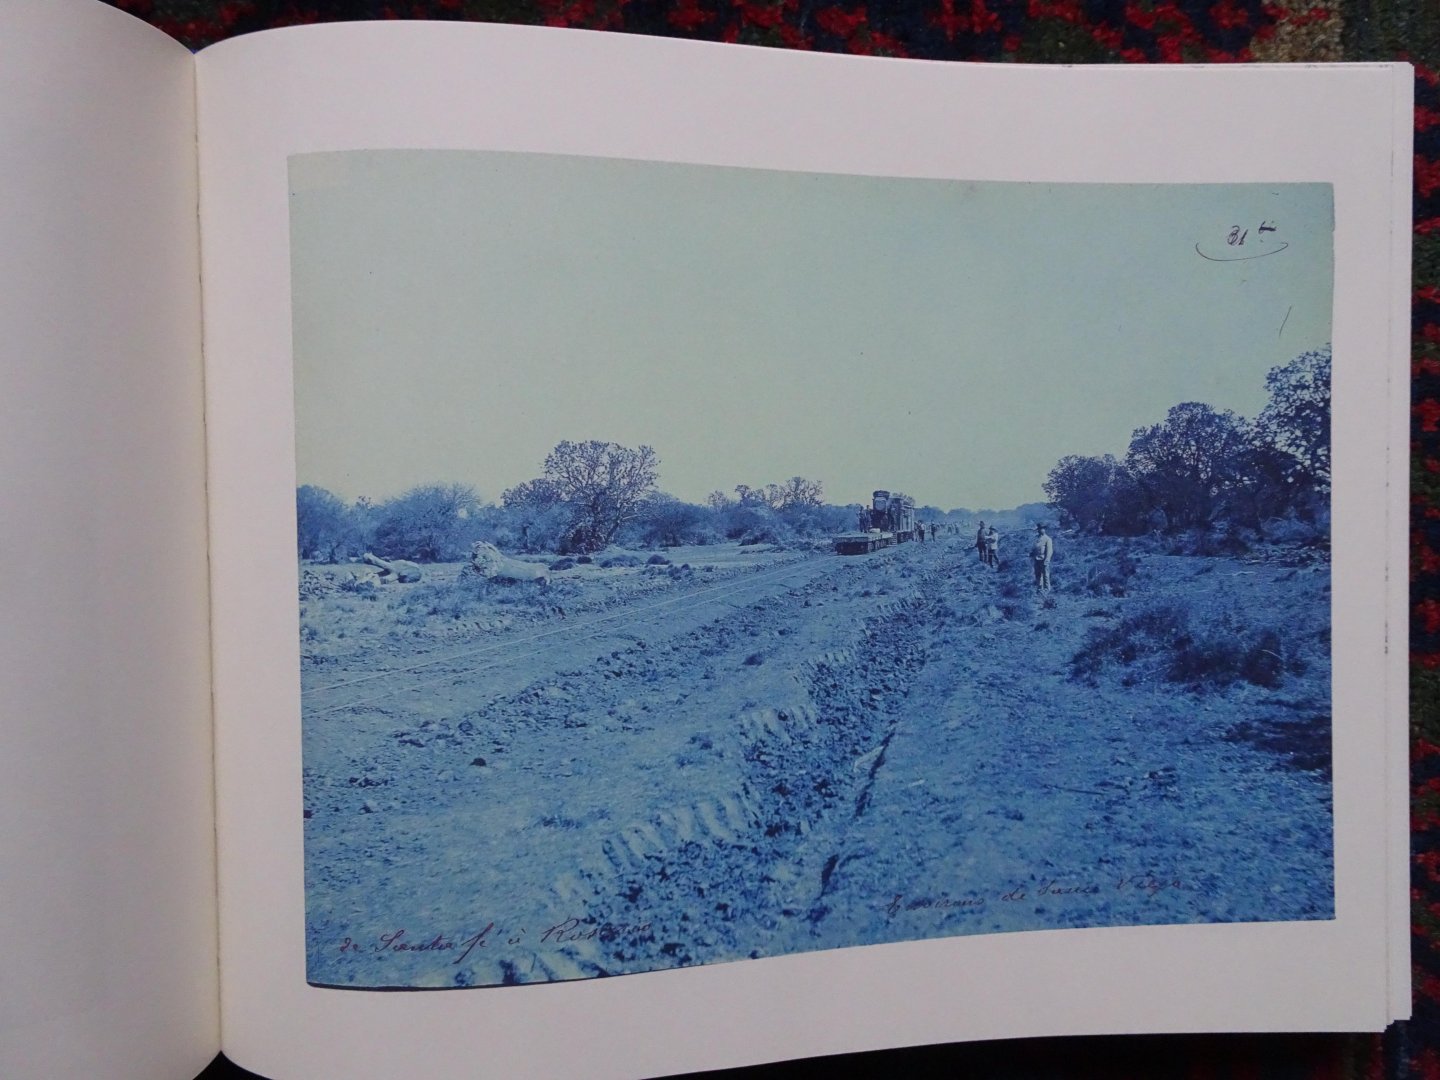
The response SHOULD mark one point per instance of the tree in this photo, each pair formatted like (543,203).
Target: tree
(323,525)
(604,485)
(745,495)
(431,523)
(1266,489)
(798,492)
(537,518)
(538,494)
(795,493)
(1095,494)
(665,521)
(1186,465)
(1297,418)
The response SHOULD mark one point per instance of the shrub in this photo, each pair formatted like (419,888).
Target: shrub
(1223,542)
(1223,657)
(1147,633)
(470,596)
(614,561)
(1111,578)
(762,535)
(1291,530)
(1224,652)
(1103,581)
(665,521)
(362,587)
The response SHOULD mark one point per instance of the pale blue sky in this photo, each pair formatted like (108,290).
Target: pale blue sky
(457,314)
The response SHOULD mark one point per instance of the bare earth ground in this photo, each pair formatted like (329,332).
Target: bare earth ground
(768,752)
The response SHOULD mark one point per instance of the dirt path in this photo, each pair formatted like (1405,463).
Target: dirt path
(464,675)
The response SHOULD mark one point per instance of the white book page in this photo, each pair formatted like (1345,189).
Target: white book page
(107,851)
(263,99)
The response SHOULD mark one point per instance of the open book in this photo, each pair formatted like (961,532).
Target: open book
(874,552)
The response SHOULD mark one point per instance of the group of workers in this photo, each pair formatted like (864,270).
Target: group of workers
(1042,552)
(987,543)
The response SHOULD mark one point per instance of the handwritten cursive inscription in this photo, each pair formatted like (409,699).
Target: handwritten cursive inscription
(401,940)
(575,930)
(1149,884)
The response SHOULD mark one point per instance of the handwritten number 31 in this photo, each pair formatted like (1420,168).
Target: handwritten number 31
(1237,235)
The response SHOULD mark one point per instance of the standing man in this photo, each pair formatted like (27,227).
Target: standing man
(1041,552)
(980,542)
(992,547)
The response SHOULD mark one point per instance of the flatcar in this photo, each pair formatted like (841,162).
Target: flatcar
(889,519)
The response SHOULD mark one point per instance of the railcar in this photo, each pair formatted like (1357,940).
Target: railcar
(889,519)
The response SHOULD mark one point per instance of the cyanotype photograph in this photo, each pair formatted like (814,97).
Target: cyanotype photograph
(699,565)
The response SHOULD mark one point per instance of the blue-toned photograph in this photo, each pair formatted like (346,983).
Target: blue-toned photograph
(699,564)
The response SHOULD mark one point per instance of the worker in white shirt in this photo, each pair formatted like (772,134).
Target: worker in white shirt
(1041,552)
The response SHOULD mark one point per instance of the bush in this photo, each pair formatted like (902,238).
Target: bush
(1225,652)
(470,596)
(1291,530)
(432,523)
(362,587)
(1103,582)
(1224,541)
(615,561)
(750,524)
(665,521)
(462,598)
(806,520)
(1224,658)
(1147,633)
(1110,578)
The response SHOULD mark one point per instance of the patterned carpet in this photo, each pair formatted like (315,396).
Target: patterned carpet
(1088,31)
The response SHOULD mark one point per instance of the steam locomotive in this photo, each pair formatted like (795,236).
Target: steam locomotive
(889,519)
